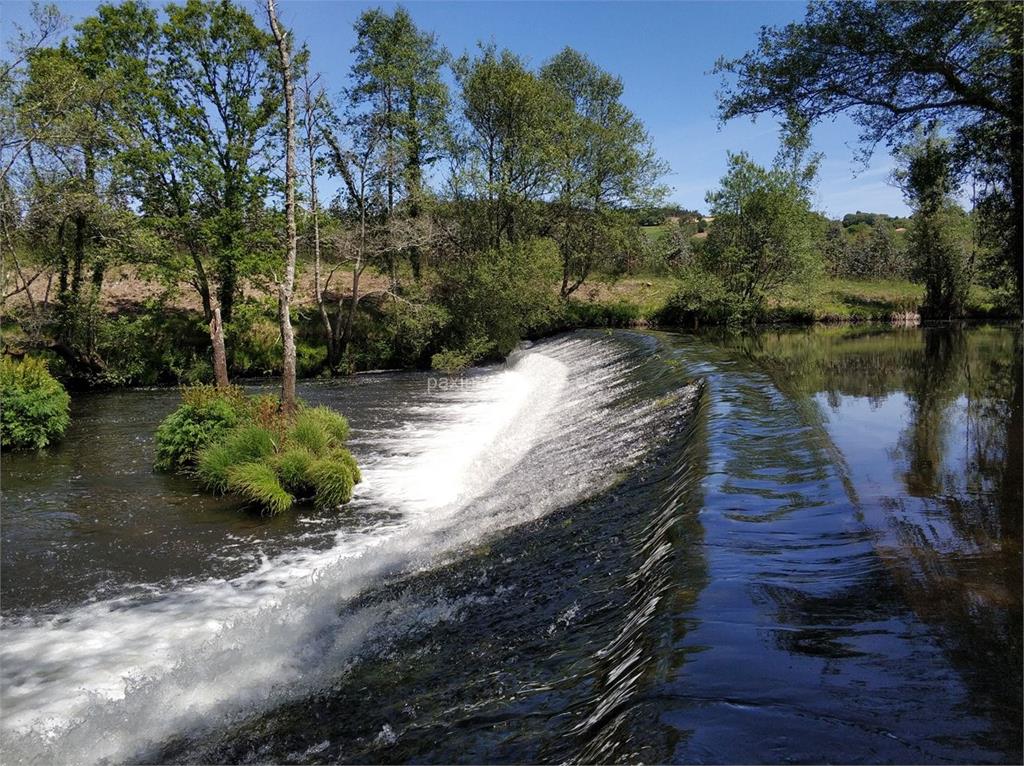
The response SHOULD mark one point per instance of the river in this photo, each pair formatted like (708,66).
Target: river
(794,546)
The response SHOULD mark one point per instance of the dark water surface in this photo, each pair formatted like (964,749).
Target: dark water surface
(803,546)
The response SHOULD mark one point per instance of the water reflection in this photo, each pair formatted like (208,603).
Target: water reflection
(928,421)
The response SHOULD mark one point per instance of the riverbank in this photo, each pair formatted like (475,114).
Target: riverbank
(148,337)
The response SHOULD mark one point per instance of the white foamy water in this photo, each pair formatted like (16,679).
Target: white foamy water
(103,681)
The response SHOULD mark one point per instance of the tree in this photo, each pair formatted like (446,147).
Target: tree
(836,250)
(509,118)
(764,232)
(287,284)
(315,113)
(495,297)
(603,162)
(73,220)
(216,80)
(895,66)
(397,85)
(48,22)
(364,187)
(939,231)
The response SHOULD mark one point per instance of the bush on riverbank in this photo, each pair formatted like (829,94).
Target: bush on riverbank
(34,407)
(233,443)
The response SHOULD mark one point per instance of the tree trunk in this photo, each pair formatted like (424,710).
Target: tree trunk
(288,400)
(345,336)
(220,358)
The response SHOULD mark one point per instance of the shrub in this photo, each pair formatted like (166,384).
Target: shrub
(499,296)
(265,456)
(619,313)
(158,345)
(34,407)
(205,414)
(703,298)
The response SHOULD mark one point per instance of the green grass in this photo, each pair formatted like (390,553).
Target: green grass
(258,483)
(821,300)
(831,300)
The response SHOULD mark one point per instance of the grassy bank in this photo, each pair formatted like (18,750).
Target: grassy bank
(147,340)
(823,300)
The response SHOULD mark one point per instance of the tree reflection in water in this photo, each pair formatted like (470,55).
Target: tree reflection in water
(948,524)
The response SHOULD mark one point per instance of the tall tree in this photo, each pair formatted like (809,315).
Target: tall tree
(603,161)
(896,65)
(509,114)
(764,232)
(287,283)
(74,214)
(219,83)
(315,111)
(939,231)
(397,85)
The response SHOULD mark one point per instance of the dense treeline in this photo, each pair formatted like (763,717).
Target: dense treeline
(153,138)
(445,206)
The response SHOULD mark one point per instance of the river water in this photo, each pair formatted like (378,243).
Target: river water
(799,546)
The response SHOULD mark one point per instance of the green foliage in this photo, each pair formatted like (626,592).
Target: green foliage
(292,468)
(332,481)
(601,161)
(154,346)
(940,232)
(965,71)
(243,444)
(703,298)
(332,424)
(495,298)
(191,427)
(620,313)
(249,447)
(34,407)
(764,233)
(258,483)
(308,433)
(253,339)
(452,361)
(398,87)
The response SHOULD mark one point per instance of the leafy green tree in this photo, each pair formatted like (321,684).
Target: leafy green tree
(940,231)
(195,131)
(495,297)
(602,162)
(129,40)
(764,232)
(397,85)
(506,152)
(225,97)
(895,66)
(74,219)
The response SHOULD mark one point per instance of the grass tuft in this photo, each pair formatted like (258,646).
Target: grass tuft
(244,444)
(308,433)
(333,481)
(292,468)
(258,483)
(333,424)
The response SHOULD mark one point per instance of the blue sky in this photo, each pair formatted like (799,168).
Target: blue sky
(663,52)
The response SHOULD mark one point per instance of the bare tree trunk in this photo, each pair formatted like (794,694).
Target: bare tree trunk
(220,358)
(288,401)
